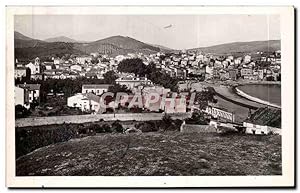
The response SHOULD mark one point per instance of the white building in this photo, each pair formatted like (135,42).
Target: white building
(132,81)
(84,59)
(34,68)
(97,89)
(33,91)
(20,72)
(85,102)
(21,97)
(76,67)
(247,59)
(256,129)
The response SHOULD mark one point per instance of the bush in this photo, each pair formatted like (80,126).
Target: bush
(197,118)
(168,124)
(106,128)
(21,112)
(117,127)
(148,126)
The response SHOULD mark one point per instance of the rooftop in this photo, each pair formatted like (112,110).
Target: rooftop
(96,86)
(30,86)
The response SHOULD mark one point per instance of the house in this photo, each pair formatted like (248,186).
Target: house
(233,74)
(247,59)
(85,102)
(34,68)
(38,76)
(21,97)
(97,89)
(260,74)
(180,72)
(84,59)
(132,81)
(20,72)
(33,91)
(76,67)
(264,121)
(246,72)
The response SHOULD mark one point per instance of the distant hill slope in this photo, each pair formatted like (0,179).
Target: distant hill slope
(60,39)
(245,47)
(27,48)
(163,48)
(117,45)
(19,36)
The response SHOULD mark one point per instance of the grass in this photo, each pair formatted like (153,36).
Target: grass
(156,154)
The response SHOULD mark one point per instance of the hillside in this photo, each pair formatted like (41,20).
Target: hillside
(60,39)
(27,48)
(19,36)
(156,154)
(117,45)
(242,47)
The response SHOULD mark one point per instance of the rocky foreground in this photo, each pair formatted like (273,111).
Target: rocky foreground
(156,154)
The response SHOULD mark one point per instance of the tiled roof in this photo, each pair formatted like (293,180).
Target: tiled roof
(30,86)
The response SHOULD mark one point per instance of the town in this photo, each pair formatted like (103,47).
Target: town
(74,84)
(147,95)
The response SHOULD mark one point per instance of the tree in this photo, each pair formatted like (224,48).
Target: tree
(205,96)
(110,77)
(21,112)
(118,88)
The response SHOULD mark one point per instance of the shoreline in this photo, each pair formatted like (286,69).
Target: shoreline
(252,98)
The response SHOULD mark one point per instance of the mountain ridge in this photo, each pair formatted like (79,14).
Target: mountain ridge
(116,45)
(60,39)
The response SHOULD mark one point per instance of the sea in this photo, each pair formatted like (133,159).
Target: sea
(266,92)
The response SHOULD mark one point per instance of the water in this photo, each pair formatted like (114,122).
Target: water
(266,92)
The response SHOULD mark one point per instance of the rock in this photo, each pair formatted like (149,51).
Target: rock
(203,160)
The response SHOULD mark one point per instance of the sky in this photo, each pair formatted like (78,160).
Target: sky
(173,31)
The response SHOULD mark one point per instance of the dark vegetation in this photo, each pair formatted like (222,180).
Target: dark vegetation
(198,118)
(137,67)
(31,138)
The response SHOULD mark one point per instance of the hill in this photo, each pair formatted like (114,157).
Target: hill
(60,39)
(19,36)
(242,47)
(164,48)
(116,45)
(28,48)
(156,154)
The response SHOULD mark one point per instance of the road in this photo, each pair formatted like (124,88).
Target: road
(37,121)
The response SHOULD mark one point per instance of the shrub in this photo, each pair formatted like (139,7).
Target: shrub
(117,127)
(148,126)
